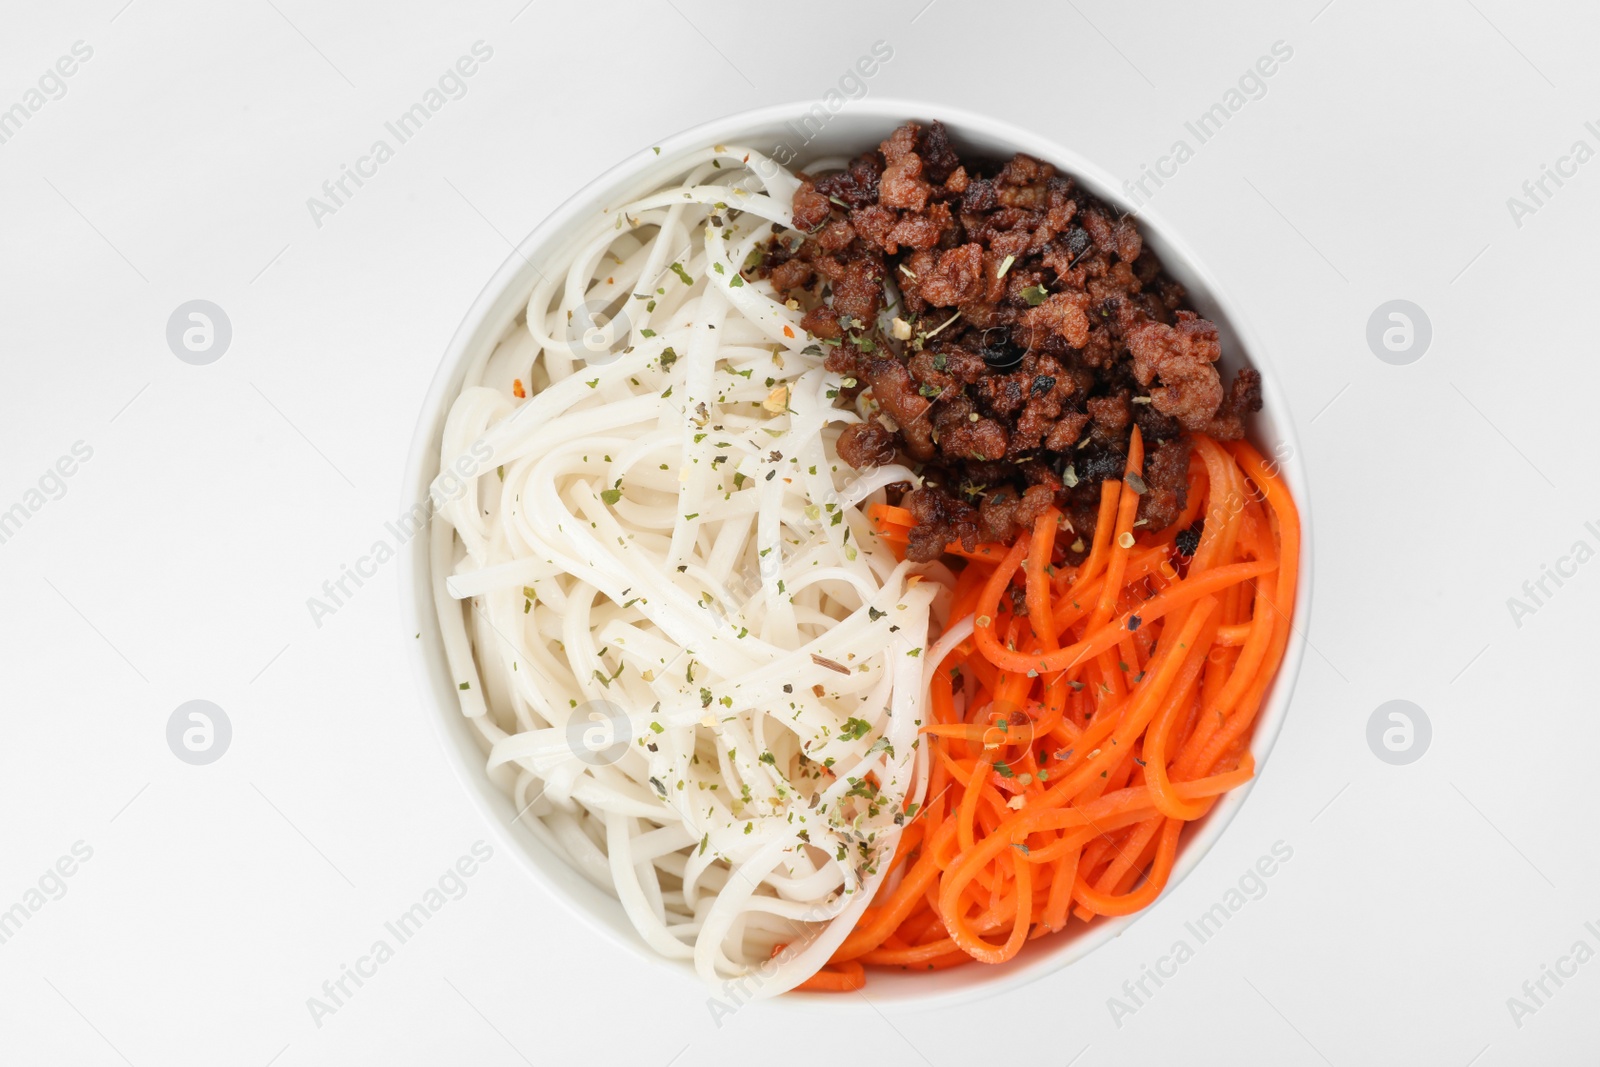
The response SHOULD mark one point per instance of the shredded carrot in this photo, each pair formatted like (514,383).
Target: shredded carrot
(845,977)
(1090,718)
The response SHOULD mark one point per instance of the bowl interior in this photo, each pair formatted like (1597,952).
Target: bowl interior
(796,134)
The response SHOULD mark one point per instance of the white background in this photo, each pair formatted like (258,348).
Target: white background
(178,563)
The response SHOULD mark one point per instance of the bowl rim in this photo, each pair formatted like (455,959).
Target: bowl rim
(422,463)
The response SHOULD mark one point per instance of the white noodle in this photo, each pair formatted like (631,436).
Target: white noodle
(692,664)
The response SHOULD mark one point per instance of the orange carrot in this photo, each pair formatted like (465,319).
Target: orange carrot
(1091,717)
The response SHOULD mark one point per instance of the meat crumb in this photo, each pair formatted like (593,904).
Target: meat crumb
(1033,331)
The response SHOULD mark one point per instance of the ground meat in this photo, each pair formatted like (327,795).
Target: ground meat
(948,278)
(1110,416)
(856,278)
(894,389)
(1043,331)
(1166,479)
(794,274)
(821,321)
(1004,511)
(983,440)
(836,236)
(996,515)
(1065,433)
(856,185)
(811,208)
(939,157)
(939,519)
(1061,315)
(918,231)
(901,185)
(1244,398)
(867,444)
(1182,357)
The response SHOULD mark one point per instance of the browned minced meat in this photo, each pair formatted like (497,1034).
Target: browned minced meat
(1043,332)
(867,444)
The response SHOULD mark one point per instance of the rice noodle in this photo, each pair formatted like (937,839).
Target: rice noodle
(691,663)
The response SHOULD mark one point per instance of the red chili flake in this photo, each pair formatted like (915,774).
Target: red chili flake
(788,331)
(517,390)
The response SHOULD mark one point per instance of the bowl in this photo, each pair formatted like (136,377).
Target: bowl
(793,134)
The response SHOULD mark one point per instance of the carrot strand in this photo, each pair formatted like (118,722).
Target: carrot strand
(1095,713)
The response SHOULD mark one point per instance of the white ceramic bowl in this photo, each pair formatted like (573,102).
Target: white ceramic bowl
(859,125)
